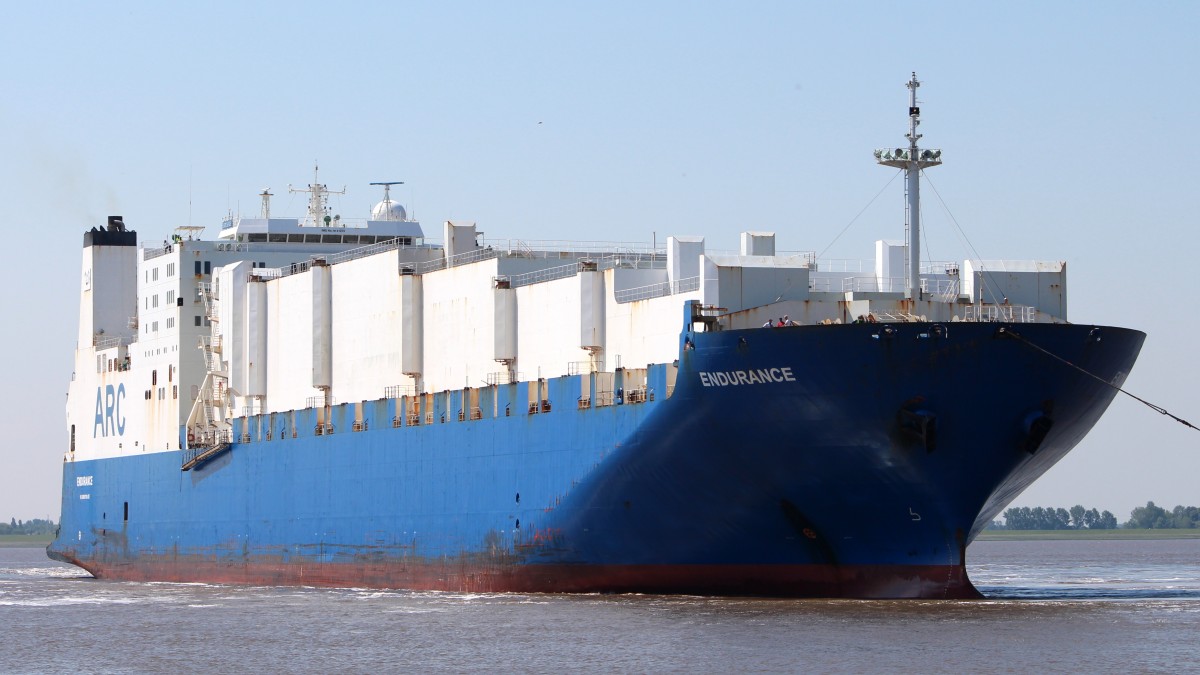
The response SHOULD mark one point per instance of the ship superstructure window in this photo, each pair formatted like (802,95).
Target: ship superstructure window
(154,274)
(170,322)
(170,297)
(208,267)
(170,269)
(154,303)
(154,327)
(198,267)
(197,319)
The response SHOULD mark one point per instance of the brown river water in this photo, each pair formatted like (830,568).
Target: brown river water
(1052,606)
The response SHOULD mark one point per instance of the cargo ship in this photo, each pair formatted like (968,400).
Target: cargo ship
(320,401)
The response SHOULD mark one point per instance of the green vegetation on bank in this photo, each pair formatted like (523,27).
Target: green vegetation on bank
(1123,533)
(35,526)
(1148,517)
(1050,518)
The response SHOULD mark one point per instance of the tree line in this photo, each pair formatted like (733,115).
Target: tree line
(35,526)
(1151,517)
(1050,518)
(1148,517)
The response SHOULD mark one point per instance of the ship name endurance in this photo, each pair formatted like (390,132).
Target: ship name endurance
(739,377)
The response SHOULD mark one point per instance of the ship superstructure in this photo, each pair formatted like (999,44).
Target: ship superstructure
(313,400)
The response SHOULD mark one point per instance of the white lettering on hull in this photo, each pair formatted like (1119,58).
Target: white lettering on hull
(725,378)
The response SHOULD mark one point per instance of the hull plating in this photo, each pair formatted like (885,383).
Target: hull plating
(822,461)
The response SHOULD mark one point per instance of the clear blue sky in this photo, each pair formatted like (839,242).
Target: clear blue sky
(1069,131)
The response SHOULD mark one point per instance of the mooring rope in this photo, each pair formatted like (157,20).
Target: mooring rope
(1157,408)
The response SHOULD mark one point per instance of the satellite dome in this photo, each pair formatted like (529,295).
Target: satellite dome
(388,210)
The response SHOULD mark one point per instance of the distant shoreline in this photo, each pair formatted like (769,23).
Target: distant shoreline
(1036,535)
(25,540)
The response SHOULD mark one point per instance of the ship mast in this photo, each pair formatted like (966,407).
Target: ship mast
(912,160)
(266,203)
(318,197)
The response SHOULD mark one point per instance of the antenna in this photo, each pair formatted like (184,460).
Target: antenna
(318,200)
(387,195)
(266,203)
(912,160)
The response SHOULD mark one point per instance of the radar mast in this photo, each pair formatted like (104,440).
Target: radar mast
(318,200)
(266,203)
(912,160)
(387,196)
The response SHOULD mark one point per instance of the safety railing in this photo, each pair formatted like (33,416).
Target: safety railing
(101,341)
(503,377)
(398,390)
(546,274)
(873,284)
(319,401)
(658,290)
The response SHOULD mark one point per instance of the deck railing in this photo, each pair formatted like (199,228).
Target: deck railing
(658,290)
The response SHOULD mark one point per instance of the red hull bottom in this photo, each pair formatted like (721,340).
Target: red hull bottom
(814,581)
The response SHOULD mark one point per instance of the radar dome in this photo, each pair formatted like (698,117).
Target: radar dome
(388,210)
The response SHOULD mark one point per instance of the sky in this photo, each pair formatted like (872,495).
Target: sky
(1069,132)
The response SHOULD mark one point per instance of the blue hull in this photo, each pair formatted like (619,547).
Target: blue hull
(807,461)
